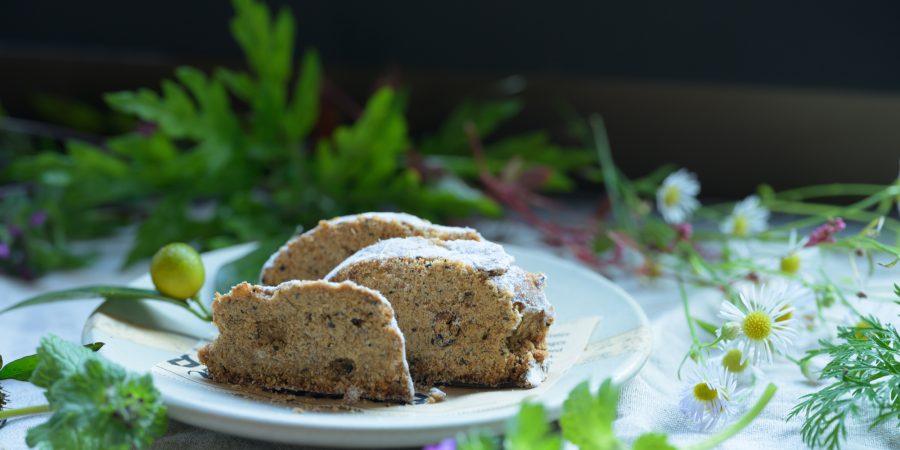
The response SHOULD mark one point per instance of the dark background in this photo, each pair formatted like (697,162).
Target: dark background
(785,92)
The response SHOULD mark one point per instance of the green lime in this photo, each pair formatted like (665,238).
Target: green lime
(177,271)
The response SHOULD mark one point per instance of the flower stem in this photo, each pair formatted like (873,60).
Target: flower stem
(29,410)
(687,313)
(736,427)
(610,180)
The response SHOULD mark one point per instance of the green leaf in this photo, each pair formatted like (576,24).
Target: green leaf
(238,83)
(587,419)
(174,111)
(22,368)
(246,268)
(89,292)
(57,358)
(360,164)
(267,46)
(304,108)
(485,115)
(476,441)
(95,404)
(530,430)
(653,441)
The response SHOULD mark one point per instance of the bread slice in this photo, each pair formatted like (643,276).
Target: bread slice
(313,336)
(311,255)
(468,314)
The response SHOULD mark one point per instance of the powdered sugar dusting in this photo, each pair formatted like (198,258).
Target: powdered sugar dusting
(387,216)
(536,374)
(525,288)
(409,219)
(482,255)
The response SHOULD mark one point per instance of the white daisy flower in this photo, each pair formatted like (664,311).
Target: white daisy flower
(734,363)
(707,397)
(676,197)
(798,260)
(766,315)
(749,217)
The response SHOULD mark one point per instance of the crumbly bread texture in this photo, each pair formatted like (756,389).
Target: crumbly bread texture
(311,255)
(468,314)
(312,336)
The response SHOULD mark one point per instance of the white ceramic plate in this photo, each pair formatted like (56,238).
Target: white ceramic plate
(140,335)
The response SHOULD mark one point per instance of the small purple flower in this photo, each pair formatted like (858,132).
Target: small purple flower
(684,231)
(825,232)
(4,250)
(446,444)
(15,231)
(38,218)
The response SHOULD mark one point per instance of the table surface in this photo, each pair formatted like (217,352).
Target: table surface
(649,402)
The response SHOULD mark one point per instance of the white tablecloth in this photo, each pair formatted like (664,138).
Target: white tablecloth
(648,402)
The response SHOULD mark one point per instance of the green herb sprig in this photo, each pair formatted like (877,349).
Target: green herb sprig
(240,145)
(864,371)
(95,404)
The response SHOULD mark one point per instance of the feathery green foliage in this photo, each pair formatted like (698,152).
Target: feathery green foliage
(864,372)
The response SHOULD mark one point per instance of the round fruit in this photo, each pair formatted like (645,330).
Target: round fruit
(177,271)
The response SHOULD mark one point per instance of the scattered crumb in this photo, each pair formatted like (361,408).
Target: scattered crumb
(435,395)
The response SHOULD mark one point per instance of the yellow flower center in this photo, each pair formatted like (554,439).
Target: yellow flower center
(671,196)
(732,361)
(740,225)
(703,392)
(784,316)
(790,263)
(859,334)
(757,325)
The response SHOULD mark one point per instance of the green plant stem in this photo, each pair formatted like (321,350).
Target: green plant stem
(736,427)
(203,309)
(687,313)
(830,190)
(27,411)
(610,178)
(819,211)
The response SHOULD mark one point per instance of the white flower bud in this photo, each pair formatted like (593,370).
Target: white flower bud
(730,331)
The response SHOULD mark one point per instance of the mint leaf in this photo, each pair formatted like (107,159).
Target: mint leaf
(529,430)
(95,404)
(22,368)
(57,358)
(653,441)
(587,419)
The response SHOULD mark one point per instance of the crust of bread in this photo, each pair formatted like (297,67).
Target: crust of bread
(311,255)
